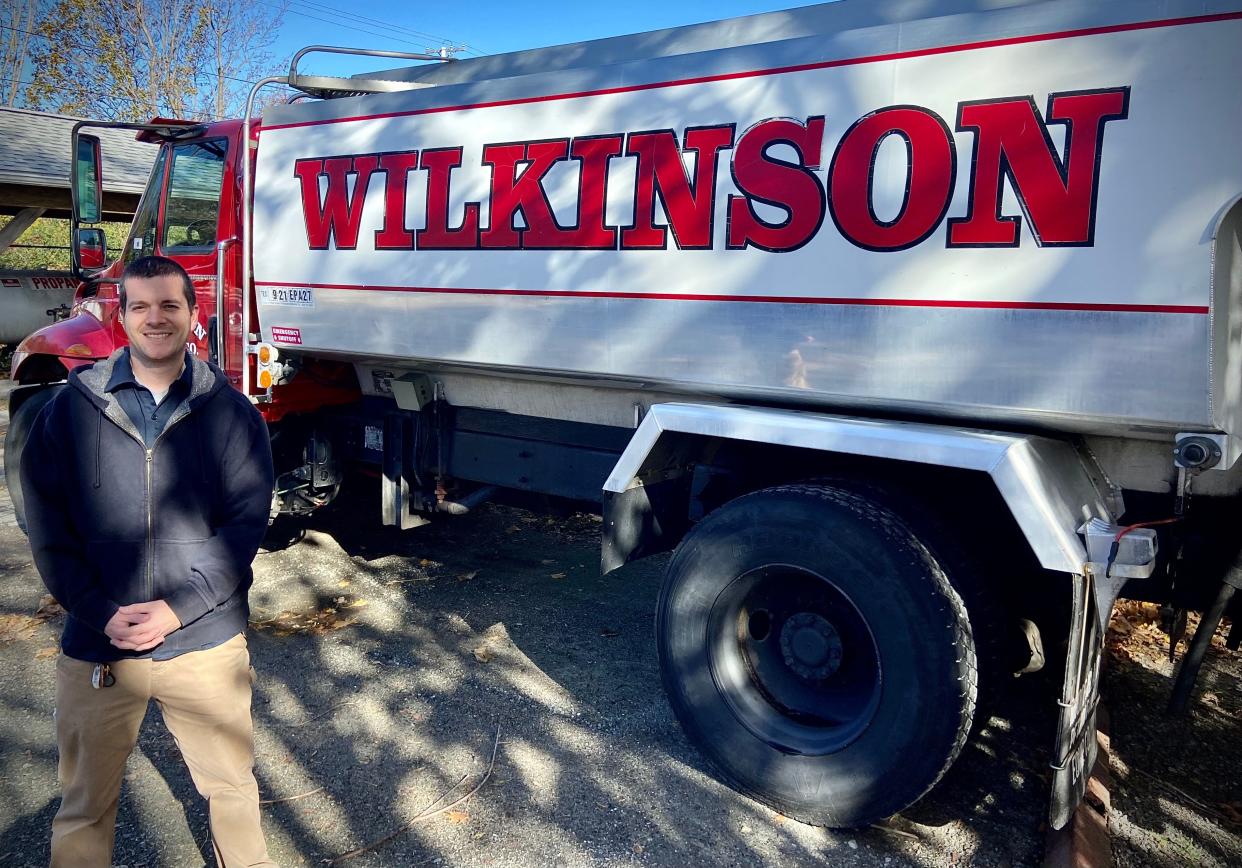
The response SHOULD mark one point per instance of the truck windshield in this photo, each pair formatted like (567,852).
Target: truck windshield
(194,197)
(142,234)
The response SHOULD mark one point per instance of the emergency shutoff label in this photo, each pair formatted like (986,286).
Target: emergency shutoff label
(284,335)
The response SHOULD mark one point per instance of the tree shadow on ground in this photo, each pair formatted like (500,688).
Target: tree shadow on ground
(1180,771)
(501,619)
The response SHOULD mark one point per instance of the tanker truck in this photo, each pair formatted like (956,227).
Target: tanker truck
(31,299)
(891,321)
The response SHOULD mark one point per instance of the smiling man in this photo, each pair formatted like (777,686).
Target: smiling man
(148,484)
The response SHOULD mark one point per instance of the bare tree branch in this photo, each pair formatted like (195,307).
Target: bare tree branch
(134,59)
(18,18)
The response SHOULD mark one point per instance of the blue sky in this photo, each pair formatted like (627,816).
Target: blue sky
(487,26)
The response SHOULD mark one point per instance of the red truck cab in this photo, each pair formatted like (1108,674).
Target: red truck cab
(189,212)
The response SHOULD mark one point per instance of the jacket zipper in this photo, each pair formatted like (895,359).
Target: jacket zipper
(150,528)
(151,501)
(150,472)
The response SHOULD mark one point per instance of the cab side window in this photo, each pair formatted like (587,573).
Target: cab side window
(194,197)
(141,240)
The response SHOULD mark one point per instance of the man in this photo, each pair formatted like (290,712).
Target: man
(148,482)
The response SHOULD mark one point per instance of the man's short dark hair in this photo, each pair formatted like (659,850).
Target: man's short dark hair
(159,266)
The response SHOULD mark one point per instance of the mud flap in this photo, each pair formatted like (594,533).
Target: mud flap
(1080,694)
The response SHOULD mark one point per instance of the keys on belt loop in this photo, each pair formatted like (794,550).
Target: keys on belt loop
(102,676)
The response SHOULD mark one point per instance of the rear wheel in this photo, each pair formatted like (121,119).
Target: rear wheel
(816,652)
(20,424)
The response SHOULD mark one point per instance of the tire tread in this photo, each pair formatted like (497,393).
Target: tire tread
(944,597)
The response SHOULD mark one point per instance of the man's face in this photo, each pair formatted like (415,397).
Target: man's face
(156,318)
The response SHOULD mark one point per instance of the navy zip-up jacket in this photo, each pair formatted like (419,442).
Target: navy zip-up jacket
(112,522)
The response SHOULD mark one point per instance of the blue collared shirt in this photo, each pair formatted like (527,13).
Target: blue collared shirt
(138,402)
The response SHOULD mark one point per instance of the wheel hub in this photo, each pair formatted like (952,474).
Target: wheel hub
(794,659)
(811,646)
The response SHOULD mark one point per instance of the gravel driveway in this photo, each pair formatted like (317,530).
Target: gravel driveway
(389,662)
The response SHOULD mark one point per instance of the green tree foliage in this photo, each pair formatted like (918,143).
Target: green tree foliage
(45,245)
(131,60)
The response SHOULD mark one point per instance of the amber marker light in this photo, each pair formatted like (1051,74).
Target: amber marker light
(265,379)
(78,350)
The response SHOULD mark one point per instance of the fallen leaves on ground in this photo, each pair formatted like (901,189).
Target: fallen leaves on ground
(46,653)
(15,626)
(457,817)
(48,608)
(494,638)
(316,623)
(1134,633)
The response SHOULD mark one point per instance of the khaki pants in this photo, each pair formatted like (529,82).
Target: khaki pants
(205,699)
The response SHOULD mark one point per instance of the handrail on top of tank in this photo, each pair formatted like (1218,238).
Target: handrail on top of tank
(360,52)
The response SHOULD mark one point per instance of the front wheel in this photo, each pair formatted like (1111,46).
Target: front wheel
(814,649)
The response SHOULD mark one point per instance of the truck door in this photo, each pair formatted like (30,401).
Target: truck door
(190,228)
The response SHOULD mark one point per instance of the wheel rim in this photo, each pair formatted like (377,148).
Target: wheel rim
(794,659)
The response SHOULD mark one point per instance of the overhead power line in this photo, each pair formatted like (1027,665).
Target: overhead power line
(389,36)
(379,22)
(363,24)
(361,19)
(17,30)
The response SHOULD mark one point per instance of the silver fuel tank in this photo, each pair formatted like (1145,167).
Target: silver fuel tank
(1012,214)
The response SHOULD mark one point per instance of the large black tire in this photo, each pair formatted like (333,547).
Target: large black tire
(813,648)
(20,424)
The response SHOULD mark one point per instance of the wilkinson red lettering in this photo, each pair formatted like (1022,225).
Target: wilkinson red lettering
(782,190)
(517,190)
(1058,195)
(334,220)
(931,168)
(792,187)
(438,236)
(396,169)
(688,203)
(594,155)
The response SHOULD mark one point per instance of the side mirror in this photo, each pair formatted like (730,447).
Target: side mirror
(88,180)
(92,247)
